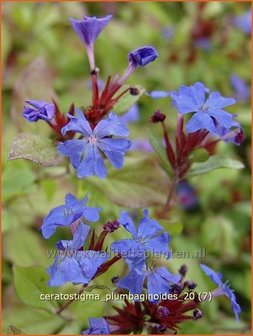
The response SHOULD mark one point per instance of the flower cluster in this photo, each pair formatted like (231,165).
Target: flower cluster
(91,135)
(164,306)
(208,124)
(101,135)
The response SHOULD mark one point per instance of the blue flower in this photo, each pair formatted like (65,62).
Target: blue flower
(38,109)
(208,113)
(244,22)
(223,289)
(235,135)
(72,265)
(142,56)
(65,215)
(149,237)
(240,87)
(85,153)
(186,195)
(157,94)
(142,145)
(158,280)
(132,115)
(89,28)
(98,326)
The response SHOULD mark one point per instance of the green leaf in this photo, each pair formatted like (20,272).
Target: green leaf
(140,183)
(28,247)
(127,100)
(214,162)
(31,320)
(12,330)
(35,148)
(173,227)
(160,150)
(17,180)
(30,283)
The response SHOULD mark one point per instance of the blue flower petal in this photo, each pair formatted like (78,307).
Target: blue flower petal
(224,118)
(78,124)
(89,28)
(65,269)
(128,223)
(159,245)
(156,94)
(159,282)
(114,149)
(215,100)
(189,98)
(98,326)
(110,126)
(91,164)
(148,227)
(90,261)
(133,282)
(79,238)
(216,277)
(201,120)
(72,149)
(55,218)
(132,115)
(223,289)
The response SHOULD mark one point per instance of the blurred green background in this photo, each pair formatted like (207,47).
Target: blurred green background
(42,58)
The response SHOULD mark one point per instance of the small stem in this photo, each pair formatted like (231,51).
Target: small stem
(122,94)
(169,198)
(169,150)
(63,307)
(94,89)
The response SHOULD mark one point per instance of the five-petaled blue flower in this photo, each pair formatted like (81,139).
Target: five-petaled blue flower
(65,215)
(142,56)
(38,109)
(89,28)
(149,237)
(85,153)
(223,289)
(159,281)
(98,326)
(208,113)
(73,265)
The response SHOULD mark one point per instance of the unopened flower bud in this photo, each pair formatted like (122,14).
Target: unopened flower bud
(158,116)
(197,314)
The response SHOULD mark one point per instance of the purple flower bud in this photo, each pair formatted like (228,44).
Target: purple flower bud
(89,28)
(38,109)
(111,226)
(183,270)
(158,116)
(163,312)
(190,284)
(142,56)
(197,313)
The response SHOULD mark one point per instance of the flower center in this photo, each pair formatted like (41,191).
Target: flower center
(204,108)
(92,140)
